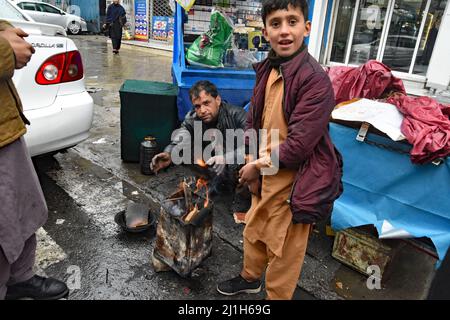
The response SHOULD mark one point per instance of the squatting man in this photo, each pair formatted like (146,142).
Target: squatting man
(213,131)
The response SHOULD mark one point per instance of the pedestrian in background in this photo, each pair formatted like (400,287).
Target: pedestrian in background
(115,21)
(23,209)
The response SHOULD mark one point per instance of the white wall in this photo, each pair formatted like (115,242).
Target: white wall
(439,69)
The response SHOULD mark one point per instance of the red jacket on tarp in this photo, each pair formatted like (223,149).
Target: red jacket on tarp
(426,126)
(371,80)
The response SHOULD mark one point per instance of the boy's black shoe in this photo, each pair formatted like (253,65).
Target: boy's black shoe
(238,285)
(38,288)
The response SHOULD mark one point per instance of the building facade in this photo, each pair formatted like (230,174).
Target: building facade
(150,21)
(409,36)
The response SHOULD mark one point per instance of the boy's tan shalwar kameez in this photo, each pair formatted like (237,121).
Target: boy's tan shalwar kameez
(270,238)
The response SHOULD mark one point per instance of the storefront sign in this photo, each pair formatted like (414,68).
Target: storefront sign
(163,28)
(141,12)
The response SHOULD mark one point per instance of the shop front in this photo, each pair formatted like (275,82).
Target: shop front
(406,35)
(150,21)
(402,34)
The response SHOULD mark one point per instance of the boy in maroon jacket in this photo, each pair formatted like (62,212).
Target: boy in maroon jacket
(292,102)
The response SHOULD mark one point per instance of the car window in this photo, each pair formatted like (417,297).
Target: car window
(27,6)
(48,9)
(9,11)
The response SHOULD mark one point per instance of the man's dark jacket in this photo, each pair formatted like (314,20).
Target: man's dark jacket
(115,19)
(308,102)
(229,117)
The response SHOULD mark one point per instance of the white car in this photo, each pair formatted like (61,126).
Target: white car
(51,86)
(46,13)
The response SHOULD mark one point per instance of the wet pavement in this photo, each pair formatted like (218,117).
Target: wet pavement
(87,185)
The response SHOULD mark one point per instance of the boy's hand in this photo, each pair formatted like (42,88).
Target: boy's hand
(22,49)
(160,161)
(249,173)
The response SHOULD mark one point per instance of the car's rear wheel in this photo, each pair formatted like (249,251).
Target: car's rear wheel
(74,27)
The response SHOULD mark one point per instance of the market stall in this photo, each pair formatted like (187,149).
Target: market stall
(234,85)
(234,75)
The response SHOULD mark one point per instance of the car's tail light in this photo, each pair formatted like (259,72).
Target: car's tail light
(63,67)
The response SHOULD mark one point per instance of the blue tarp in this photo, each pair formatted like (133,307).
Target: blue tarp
(382,184)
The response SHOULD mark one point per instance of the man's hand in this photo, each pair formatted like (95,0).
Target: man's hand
(160,161)
(22,49)
(217,163)
(249,173)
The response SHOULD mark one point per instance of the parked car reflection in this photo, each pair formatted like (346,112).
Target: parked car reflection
(398,52)
(46,13)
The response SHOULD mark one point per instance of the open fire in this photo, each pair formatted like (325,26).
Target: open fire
(184,232)
(202,163)
(190,199)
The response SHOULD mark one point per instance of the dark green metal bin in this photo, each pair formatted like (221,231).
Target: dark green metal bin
(147,109)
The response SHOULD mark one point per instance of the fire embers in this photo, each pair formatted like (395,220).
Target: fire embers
(190,201)
(202,163)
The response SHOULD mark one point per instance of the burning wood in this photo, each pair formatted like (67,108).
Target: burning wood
(187,195)
(190,198)
(202,163)
(191,214)
(202,184)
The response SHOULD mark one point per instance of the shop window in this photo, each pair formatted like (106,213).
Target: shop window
(388,31)
(340,42)
(368,29)
(429,35)
(402,36)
